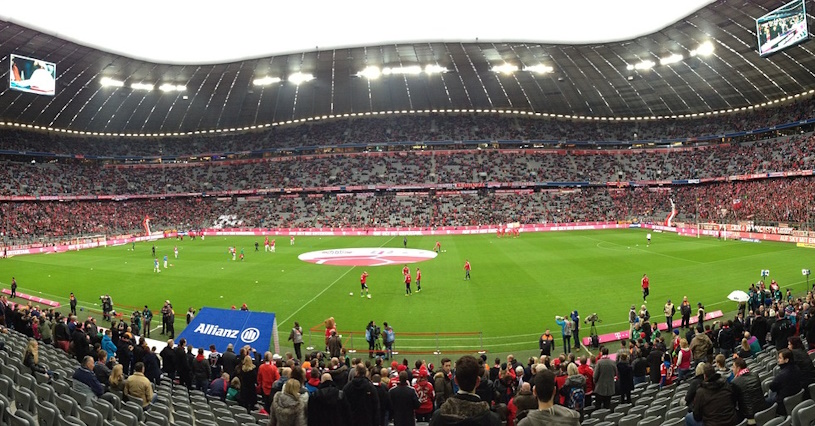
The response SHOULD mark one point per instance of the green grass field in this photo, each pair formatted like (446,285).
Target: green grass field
(517,287)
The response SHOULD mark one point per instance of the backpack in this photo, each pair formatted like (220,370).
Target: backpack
(576,399)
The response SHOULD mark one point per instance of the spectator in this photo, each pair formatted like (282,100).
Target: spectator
(267,375)
(229,360)
(443,382)
(802,361)
(219,387)
(326,408)
(288,407)
(200,371)
(116,381)
(466,406)
(425,392)
(138,387)
(747,389)
(85,381)
(363,398)
(625,379)
(248,375)
(604,373)
(404,401)
(787,381)
(715,403)
(548,413)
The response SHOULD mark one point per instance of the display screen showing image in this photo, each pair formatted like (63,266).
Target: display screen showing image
(782,28)
(32,75)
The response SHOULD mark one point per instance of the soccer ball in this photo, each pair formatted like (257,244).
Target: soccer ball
(369,296)
(350,294)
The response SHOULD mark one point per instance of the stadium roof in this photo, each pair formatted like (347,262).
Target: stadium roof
(585,78)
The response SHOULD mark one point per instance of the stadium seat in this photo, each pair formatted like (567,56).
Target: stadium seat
(156,418)
(590,422)
(244,418)
(126,417)
(114,400)
(791,401)
(29,417)
(14,420)
(44,392)
(676,413)
(90,416)
(644,401)
(26,381)
(60,387)
(614,417)
(656,411)
(160,409)
(5,385)
(622,408)
(180,423)
(600,414)
(46,413)
(104,408)
(604,424)
(205,422)
(24,399)
(779,421)
(264,418)
(69,421)
(630,420)
(650,421)
(134,408)
(638,409)
(804,416)
(762,417)
(82,399)
(794,413)
(226,421)
(674,422)
(9,371)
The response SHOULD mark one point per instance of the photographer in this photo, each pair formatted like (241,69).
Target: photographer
(107,306)
(372,332)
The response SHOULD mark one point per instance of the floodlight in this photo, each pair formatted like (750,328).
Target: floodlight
(671,59)
(434,69)
(142,86)
(371,72)
(109,82)
(540,69)
(167,87)
(265,81)
(644,65)
(299,78)
(704,49)
(505,68)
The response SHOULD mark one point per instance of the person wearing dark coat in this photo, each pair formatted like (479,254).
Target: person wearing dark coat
(168,360)
(804,363)
(229,360)
(786,382)
(747,388)
(760,328)
(654,362)
(781,331)
(693,384)
(715,403)
(404,401)
(384,402)
(182,365)
(326,408)
(247,373)
(80,341)
(200,371)
(808,328)
(152,370)
(625,379)
(363,399)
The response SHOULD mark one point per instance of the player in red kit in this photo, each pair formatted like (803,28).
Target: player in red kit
(271,245)
(407,284)
(363,282)
(405,270)
(418,280)
(645,282)
(467,269)
(437,247)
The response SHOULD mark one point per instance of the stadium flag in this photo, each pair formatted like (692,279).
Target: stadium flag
(670,218)
(737,204)
(220,327)
(146,224)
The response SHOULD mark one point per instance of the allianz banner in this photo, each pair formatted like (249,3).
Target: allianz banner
(220,327)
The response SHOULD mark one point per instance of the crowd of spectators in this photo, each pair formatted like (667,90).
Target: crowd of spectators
(79,178)
(764,202)
(411,127)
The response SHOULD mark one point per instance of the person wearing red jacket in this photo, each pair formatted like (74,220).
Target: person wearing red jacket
(586,370)
(427,395)
(267,375)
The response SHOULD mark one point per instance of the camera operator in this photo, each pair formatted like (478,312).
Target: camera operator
(372,332)
(107,306)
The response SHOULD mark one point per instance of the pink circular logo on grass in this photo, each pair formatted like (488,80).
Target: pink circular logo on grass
(367,256)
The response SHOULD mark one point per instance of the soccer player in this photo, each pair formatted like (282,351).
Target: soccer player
(645,282)
(363,280)
(405,270)
(154,251)
(418,280)
(155,267)
(266,244)
(291,240)
(257,246)
(234,252)
(165,261)
(437,248)
(271,245)
(175,251)
(404,241)
(467,268)
(407,284)
(648,237)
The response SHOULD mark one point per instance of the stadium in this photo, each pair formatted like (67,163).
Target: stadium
(374,202)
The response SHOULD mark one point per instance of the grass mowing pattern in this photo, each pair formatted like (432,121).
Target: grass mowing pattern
(518,284)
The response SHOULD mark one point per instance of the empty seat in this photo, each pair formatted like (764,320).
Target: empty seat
(765,416)
(805,415)
(24,399)
(779,421)
(182,416)
(126,417)
(5,386)
(791,401)
(630,420)
(135,409)
(622,408)
(27,416)
(104,408)
(674,422)
(44,392)
(656,411)
(226,421)
(90,416)
(156,418)
(650,421)
(26,380)
(114,400)
(638,409)
(14,420)
(69,421)
(589,422)
(612,417)
(600,414)
(46,413)
(160,409)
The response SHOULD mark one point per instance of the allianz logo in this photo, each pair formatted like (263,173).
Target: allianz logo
(249,335)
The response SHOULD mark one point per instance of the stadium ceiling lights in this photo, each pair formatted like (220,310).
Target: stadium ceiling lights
(704,49)
(505,68)
(109,82)
(539,69)
(142,86)
(299,78)
(372,72)
(167,87)
(410,70)
(671,59)
(642,66)
(265,81)
(434,69)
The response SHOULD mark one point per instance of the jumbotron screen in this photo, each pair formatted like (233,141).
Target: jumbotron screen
(782,28)
(32,75)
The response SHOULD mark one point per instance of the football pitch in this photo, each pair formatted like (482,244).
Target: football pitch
(518,285)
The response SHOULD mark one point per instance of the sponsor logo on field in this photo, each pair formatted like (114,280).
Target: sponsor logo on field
(367,256)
